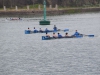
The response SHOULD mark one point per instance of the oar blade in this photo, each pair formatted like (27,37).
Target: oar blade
(66,30)
(45,38)
(90,35)
(27,31)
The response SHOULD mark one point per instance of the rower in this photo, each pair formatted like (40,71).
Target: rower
(55,28)
(54,35)
(66,34)
(77,33)
(29,29)
(10,18)
(35,31)
(59,35)
(46,30)
(41,30)
(20,18)
(47,35)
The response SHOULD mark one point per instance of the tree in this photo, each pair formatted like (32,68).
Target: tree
(64,3)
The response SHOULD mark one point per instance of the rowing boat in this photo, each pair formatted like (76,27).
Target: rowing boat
(78,36)
(12,19)
(15,19)
(30,32)
(49,38)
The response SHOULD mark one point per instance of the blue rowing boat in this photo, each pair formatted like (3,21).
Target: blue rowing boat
(50,38)
(30,32)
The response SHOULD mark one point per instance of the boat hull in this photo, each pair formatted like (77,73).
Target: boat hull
(50,38)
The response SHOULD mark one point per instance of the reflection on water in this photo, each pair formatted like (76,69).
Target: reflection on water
(22,54)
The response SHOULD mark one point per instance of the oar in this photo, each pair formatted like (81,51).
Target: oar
(89,35)
(56,30)
(27,31)
(66,30)
(61,30)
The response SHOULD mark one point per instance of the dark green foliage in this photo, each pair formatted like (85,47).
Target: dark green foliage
(62,3)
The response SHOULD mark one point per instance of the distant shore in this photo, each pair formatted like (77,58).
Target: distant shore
(31,13)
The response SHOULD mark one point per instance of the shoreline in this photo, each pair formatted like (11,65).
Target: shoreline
(52,12)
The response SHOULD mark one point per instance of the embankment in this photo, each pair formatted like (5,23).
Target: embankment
(31,13)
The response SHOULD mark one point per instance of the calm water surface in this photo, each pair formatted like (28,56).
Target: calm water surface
(22,54)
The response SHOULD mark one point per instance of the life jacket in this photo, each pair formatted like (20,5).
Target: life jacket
(55,28)
(76,34)
(46,30)
(59,36)
(35,31)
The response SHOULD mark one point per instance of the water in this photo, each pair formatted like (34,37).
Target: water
(22,54)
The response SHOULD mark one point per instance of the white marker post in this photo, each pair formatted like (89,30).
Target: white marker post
(4,8)
(39,7)
(16,8)
(56,7)
(50,6)
(28,7)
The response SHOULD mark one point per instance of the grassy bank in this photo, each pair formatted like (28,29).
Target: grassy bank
(39,12)
(36,7)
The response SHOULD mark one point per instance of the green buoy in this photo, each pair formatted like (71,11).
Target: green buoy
(44,21)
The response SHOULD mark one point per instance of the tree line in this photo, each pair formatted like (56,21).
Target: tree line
(62,3)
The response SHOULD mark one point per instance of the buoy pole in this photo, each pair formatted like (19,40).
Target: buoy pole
(44,10)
